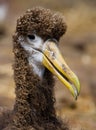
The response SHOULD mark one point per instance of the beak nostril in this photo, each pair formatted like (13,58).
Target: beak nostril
(53,55)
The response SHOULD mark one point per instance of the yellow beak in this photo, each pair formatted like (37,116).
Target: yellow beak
(54,62)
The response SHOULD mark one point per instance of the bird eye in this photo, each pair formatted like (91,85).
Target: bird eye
(31,37)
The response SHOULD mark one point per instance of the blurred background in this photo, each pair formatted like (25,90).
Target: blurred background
(78,47)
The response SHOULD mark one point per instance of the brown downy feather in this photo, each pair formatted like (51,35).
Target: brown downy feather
(34,105)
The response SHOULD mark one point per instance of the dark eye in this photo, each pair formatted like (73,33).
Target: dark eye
(31,37)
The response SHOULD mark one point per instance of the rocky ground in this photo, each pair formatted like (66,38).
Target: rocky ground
(78,47)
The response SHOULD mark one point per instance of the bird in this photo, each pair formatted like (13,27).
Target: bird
(37,59)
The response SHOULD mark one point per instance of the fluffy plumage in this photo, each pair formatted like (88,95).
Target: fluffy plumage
(34,105)
(43,22)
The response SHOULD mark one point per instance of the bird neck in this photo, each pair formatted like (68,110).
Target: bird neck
(34,97)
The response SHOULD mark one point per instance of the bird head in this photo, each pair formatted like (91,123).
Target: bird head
(39,31)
